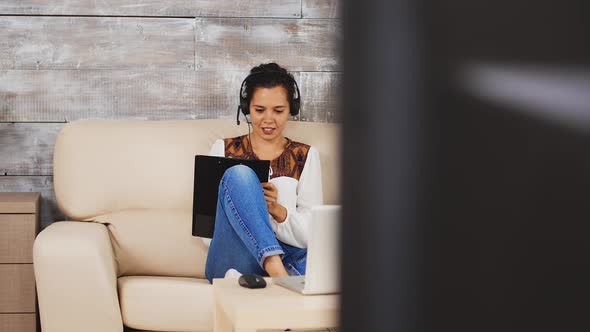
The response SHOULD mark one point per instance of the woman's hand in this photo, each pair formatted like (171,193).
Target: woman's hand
(276,210)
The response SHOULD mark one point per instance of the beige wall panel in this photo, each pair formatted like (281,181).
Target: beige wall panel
(239,44)
(320,97)
(17,322)
(321,8)
(183,8)
(27,148)
(95,43)
(17,233)
(43,184)
(17,288)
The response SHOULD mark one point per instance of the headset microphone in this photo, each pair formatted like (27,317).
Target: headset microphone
(238,117)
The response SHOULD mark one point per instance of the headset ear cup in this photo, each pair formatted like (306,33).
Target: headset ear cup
(296,102)
(244,107)
(295,105)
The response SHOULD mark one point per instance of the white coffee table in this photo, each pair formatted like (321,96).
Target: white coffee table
(274,307)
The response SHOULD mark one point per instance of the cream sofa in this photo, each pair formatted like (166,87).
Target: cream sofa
(130,257)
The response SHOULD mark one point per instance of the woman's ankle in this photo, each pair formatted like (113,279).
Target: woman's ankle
(273,265)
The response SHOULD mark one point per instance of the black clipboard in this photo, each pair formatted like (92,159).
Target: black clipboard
(208,173)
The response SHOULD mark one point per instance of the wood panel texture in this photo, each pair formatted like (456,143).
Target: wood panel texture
(67,95)
(180,8)
(240,43)
(17,288)
(95,43)
(17,233)
(27,148)
(321,8)
(17,322)
(48,210)
(319,93)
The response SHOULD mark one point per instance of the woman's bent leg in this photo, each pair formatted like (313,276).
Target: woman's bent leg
(243,237)
(227,251)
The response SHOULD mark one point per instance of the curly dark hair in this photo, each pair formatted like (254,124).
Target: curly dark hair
(272,75)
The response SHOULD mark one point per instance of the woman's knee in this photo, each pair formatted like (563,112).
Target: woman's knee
(239,174)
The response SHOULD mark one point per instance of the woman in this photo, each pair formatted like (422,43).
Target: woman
(262,228)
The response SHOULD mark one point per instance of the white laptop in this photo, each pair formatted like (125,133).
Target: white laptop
(323,259)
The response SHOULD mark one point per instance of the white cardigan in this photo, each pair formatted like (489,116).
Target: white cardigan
(296,196)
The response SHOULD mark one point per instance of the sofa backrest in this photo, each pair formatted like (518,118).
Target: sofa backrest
(137,177)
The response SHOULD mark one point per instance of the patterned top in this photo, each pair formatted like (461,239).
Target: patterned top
(299,188)
(290,163)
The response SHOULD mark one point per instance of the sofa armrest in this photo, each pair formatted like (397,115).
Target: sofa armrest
(76,278)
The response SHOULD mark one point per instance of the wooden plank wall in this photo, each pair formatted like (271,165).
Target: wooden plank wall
(62,61)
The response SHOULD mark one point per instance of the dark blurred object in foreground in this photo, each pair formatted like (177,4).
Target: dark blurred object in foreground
(469,121)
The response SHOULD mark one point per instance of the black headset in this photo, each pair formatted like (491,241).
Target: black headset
(244,106)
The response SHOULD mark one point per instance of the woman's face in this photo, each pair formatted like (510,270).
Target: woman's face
(269,112)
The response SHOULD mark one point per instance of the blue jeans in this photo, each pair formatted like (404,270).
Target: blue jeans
(243,237)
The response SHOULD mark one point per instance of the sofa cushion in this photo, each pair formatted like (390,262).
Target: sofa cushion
(166,303)
(155,242)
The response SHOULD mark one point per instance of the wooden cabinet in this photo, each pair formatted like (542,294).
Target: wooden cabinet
(19,216)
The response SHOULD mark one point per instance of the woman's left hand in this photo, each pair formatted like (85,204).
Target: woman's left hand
(276,210)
